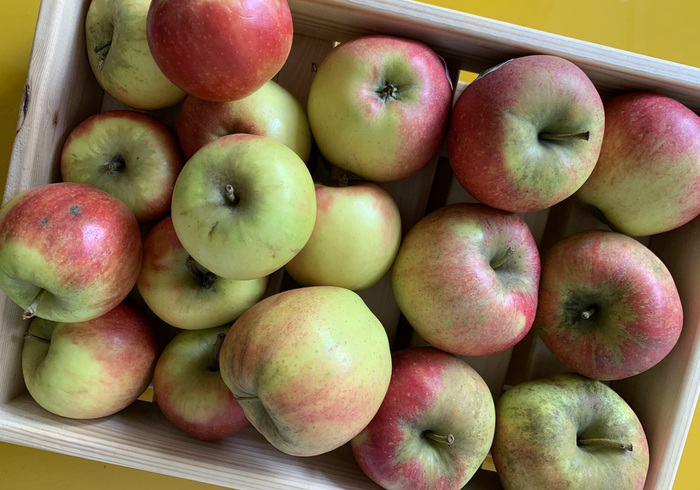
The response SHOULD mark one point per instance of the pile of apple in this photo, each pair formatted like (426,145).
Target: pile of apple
(188,227)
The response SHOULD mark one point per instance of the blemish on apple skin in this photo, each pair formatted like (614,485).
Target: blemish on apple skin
(75,210)
(211,230)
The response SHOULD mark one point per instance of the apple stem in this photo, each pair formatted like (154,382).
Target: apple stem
(206,279)
(585,135)
(31,336)
(588,313)
(606,443)
(30,312)
(495,264)
(230,194)
(449,439)
(216,350)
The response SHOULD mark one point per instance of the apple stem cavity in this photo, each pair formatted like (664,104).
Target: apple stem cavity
(230,194)
(585,135)
(448,440)
(611,443)
(216,350)
(496,263)
(31,336)
(115,164)
(204,278)
(30,312)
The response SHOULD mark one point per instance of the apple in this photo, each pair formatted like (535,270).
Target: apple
(466,279)
(188,388)
(568,431)
(90,369)
(69,251)
(434,427)
(379,106)
(129,154)
(269,111)
(647,179)
(182,293)
(118,53)
(609,308)
(220,50)
(244,206)
(310,366)
(355,238)
(526,134)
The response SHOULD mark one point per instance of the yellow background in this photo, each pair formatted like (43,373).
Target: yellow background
(668,29)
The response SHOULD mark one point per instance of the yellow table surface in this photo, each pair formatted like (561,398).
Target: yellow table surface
(669,30)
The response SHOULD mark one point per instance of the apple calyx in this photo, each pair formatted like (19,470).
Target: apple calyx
(203,277)
(585,135)
(387,92)
(30,312)
(216,350)
(115,164)
(498,262)
(230,194)
(611,443)
(448,439)
(31,336)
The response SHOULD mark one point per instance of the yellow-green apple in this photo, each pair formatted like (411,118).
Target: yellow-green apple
(568,431)
(118,52)
(68,251)
(188,388)
(647,179)
(526,134)
(466,279)
(379,106)
(244,206)
(310,366)
(608,306)
(130,154)
(269,111)
(434,427)
(219,49)
(90,369)
(355,238)
(184,294)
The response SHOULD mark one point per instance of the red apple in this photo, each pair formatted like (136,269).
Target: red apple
(188,388)
(609,308)
(129,154)
(91,369)
(69,251)
(219,49)
(434,427)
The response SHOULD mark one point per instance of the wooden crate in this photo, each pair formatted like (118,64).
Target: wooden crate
(61,91)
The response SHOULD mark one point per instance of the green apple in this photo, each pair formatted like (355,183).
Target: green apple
(91,369)
(188,388)
(118,52)
(244,205)
(647,179)
(568,431)
(310,366)
(269,111)
(355,238)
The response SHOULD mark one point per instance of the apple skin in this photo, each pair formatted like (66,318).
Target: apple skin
(91,369)
(117,49)
(647,179)
(539,426)
(633,311)
(188,388)
(431,391)
(188,296)
(220,50)
(359,127)
(71,246)
(310,367)
(269,219)
(269,111)
(449,291)
(495,140)
(355,238)
(129,154)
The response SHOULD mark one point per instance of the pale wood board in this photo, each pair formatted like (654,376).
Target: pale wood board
(62,91)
